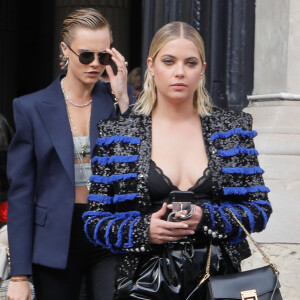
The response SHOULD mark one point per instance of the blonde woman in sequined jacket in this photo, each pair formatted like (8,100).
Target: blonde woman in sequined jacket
(175,140)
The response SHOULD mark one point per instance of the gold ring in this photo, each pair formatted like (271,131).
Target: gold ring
(126,63)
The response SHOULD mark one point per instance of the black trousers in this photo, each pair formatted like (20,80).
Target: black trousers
(85,261)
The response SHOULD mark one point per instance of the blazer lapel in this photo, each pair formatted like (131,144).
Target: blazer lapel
(54,115)
(102,108)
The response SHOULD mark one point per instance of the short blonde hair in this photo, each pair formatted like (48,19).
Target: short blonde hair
(85,18)
(172,31)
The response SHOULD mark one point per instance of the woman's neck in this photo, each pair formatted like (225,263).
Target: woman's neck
(174,112)
(77,90)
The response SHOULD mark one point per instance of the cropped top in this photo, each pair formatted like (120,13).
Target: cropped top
(83,171)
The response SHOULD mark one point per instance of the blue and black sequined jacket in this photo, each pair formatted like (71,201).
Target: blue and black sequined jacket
(118,215)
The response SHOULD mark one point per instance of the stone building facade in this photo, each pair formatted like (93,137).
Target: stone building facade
(275,107)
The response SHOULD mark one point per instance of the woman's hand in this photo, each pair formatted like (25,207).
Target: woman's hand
(161,231)
(19,290)
(194,220)
(118,82)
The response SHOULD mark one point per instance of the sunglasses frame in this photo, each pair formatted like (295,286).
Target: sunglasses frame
(100,57)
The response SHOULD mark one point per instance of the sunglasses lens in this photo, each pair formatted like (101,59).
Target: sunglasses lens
(105,58)
(86,57)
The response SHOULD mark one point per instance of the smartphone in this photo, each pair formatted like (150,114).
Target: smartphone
(181,200)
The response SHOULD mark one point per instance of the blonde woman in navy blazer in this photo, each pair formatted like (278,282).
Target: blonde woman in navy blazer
(45,206)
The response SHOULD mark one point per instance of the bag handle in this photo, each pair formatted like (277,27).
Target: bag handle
(265,257)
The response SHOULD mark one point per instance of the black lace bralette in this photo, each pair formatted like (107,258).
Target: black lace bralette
(160,186)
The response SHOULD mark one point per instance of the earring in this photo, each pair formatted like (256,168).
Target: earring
(202,73)
(65,58)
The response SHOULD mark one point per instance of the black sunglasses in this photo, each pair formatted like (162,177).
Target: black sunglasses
(87,57)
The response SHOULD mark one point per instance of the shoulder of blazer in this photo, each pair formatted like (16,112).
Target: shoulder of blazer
(39,96)
(223,119)
(30,99)
(129,125)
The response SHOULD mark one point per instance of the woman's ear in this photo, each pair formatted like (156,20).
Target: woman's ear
(64,48)
(150,65)
(203,67)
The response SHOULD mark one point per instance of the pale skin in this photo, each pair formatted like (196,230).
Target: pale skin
(176,130)
(78,85)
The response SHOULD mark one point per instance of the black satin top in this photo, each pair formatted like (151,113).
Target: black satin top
(160,187)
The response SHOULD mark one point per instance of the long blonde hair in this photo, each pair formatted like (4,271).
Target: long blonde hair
(171,31)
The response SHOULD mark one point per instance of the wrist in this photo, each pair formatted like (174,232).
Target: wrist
(19,278)
(123,103)
(123,99)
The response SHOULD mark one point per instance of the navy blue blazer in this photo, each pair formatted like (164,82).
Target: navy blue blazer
(41,175)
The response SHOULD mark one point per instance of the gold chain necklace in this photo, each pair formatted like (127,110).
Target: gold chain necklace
(73,126)
(74,130)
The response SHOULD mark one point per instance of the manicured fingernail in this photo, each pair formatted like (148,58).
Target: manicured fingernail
(185,226)
(192,232)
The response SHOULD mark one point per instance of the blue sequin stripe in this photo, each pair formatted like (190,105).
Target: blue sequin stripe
(118,244)
(243,190)
(237,150)
(256,205)
(87,217)
(106,217)
(249,215)
(107,232)
(130,234)
(109,200)
(111,179)
(211,211)
(125,197)
(229,133)
(104,160)
(228,226)
(240,236)
(127,216)
(100,198)
(85,228)
(117,139)
(211,207)
(243,170)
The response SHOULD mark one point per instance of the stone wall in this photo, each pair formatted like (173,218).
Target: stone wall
(277,122)
(278,143)
(275,107)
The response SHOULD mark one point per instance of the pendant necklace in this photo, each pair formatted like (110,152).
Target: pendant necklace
(82,154)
